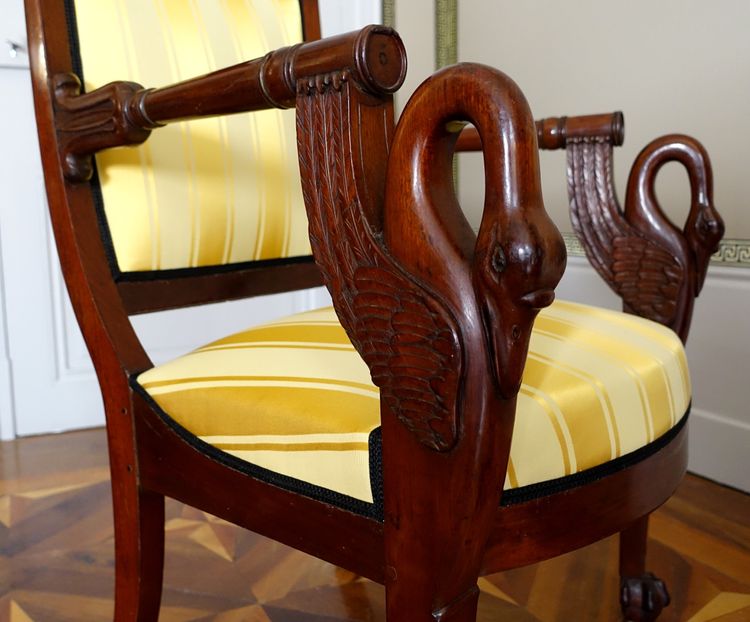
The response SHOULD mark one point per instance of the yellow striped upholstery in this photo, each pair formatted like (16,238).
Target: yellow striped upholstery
(208,192)
(294,396)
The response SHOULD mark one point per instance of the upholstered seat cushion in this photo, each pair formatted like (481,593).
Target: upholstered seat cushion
(294,397)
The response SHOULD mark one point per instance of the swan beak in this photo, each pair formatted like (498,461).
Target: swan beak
(508,334)
(704,239)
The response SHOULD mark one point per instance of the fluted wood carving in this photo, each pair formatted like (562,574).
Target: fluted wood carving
(657,269)
(93,121)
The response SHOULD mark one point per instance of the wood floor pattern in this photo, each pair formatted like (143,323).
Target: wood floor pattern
(56,557)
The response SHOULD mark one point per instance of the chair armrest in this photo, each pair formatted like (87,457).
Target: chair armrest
(553,133)
(655,267)
(124,113)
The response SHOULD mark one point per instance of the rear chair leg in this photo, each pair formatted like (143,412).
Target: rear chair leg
(642,595)
(139,553)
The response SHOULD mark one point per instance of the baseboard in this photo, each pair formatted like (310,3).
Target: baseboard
(720,449)
(7,420)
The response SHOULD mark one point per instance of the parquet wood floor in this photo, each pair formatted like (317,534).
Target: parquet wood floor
(56,557)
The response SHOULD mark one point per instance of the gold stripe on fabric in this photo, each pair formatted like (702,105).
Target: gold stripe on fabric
(247,151)
(214,249)
(511,478)
(590,442)
(271,136)
(111,56)
(649,333)
(250,41)
(275,439)
(252,411)
(629,403)
(292,446)
(295,333)
(346,472)
(557,419)
(174,170)
(599,390)
(300,345)
(641,365)
(203,139)
(273,381)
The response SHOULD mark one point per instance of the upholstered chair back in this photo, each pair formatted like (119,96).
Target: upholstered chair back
(210,192)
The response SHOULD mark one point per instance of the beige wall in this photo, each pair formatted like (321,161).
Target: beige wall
(671,66)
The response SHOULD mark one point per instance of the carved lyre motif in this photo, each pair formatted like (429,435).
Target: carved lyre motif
(412,326)
(657,269)
(94,121)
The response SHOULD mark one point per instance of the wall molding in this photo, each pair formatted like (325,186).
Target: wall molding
(7,416)
(718,448)
(732,253)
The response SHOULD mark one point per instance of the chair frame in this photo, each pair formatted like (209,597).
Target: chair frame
(151,460)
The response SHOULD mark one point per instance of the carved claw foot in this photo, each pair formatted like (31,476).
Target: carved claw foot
(642,598)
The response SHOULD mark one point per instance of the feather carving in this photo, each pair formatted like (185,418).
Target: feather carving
(645,273)
(407,337)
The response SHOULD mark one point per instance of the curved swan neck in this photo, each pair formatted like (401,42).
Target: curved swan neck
(642,209)
(423,223)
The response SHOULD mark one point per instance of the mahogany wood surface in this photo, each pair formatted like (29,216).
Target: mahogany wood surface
(441,316)
(554,132)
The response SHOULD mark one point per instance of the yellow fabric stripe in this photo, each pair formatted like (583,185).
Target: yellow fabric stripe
(244,411)
(217,381)
(331,334)
(290,345)
(347,437)
(206,192)
(346,472)
(292,446)
(556,419)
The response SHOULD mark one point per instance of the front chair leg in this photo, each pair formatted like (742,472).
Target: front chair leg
(642,595)
(139,553)
(413,603)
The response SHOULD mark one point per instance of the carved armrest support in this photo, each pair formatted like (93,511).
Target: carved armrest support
(441,316)
(124,113)
(656,268)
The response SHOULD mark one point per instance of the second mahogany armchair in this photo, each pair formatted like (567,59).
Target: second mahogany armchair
(447,420)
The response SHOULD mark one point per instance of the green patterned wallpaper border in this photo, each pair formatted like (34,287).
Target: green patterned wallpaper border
(389,13)
(446,32)
(734,252)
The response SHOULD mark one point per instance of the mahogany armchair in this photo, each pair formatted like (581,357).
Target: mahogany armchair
(423,434)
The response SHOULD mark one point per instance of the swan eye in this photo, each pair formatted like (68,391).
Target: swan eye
(498,259)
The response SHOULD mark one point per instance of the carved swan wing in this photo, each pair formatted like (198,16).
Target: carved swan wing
(642,271)
(400,328)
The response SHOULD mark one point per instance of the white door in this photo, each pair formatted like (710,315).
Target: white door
(47,383)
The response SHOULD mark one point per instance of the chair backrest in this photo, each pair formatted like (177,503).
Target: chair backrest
(202,211)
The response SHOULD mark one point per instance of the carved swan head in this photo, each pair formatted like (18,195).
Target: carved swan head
(494,282)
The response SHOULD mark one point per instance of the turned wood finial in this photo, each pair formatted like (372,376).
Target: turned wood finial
(556,132)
